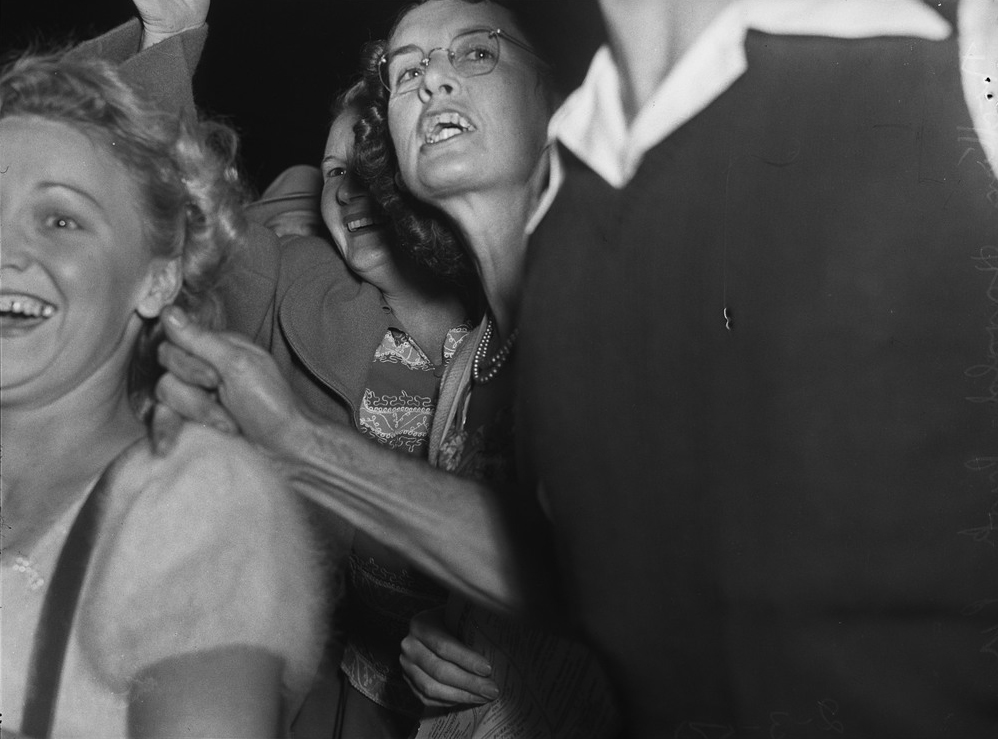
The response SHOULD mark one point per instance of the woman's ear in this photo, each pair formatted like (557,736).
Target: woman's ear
(162,285)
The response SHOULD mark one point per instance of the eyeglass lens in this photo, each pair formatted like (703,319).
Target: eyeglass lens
(470,54)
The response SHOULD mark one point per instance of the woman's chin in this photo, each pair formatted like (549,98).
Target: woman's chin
(365,248)
(439,178)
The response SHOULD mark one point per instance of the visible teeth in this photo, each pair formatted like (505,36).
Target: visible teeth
(26,306)
(446,125)
(453,118)
(447,133)
(360,223)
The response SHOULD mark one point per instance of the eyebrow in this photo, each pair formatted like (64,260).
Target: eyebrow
(400,49)
(461,32)
(49,185)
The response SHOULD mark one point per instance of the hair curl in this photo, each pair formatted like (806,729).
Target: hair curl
(183,169)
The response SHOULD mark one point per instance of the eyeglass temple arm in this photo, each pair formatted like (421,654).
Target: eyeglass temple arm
(522,44)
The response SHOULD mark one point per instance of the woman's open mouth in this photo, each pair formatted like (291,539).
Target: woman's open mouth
(443,126)
(358,223)
(21,312)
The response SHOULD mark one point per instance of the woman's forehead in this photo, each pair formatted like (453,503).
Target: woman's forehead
(436,22)
(68,151)
(340,139)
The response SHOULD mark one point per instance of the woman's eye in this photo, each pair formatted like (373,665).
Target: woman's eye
(61,222)
(478,54)
(335,172)
(407,75)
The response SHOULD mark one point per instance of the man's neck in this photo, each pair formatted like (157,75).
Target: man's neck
(648,37)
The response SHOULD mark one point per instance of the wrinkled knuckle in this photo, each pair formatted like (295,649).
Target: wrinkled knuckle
(439,669)
(438,644)
(241,362)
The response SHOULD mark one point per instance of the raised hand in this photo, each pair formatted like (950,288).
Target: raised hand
(162,19)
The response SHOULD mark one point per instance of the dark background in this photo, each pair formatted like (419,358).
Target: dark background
(271,68)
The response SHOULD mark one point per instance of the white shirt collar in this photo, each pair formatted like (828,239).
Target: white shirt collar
(978,26)
(555,177)
(591,122)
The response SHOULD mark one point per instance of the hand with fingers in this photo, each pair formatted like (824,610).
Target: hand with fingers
(162,19)
(224,380)
(442,671)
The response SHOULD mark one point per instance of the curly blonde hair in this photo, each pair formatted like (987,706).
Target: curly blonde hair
(183,169)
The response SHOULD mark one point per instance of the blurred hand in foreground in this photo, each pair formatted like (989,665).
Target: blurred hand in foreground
(224,380)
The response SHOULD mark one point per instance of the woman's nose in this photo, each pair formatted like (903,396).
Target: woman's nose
(15,246)
(439,76)
(350,188)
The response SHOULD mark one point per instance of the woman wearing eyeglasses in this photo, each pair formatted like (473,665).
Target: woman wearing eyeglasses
(460,111)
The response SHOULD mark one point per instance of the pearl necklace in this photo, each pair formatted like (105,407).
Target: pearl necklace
(26,567)
(484,369)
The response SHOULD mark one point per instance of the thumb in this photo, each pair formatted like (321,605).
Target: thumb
(164,428)
(195,340)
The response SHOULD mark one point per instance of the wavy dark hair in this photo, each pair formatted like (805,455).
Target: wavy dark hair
(183,171)
(423,233)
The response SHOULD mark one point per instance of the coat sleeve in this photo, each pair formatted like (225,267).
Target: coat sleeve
(164,72)
(249,287)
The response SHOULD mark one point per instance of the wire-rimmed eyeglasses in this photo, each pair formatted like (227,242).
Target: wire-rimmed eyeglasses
(471,54)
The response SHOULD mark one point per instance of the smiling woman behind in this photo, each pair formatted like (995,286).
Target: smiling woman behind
(198,612)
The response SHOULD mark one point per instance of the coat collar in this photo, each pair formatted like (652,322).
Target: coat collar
(333,322)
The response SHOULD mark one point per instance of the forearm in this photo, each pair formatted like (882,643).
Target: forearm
(489,544)
(456,530)
(231,691)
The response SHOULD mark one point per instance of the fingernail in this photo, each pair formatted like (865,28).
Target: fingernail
(491,692)
(162,444)
(175,317)
(483,668)
(208,378)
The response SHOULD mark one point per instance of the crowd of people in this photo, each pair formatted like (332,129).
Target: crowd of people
(666,409)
